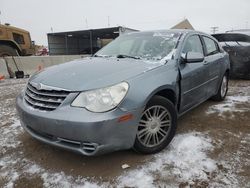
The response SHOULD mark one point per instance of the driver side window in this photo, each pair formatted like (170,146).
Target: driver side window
(193,44)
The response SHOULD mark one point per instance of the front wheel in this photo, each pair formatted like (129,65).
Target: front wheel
(7,51)
(222,92)
(157,126)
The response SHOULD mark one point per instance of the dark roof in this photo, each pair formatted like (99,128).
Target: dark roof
(232,36)
(101,32)
(242,31)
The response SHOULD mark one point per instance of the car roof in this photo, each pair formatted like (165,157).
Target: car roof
(180,31)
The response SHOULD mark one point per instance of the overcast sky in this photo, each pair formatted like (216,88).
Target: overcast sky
(39,16)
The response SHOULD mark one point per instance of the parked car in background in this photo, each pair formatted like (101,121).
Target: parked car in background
(42,51)
(128,95)
(237,44)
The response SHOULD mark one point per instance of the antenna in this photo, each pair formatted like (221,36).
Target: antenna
(214,29)
(108,22)
(86,22)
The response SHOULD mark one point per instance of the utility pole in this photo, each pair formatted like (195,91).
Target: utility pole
(214,29)
(108,22)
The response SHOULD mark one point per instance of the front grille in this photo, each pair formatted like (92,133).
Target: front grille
(43,99)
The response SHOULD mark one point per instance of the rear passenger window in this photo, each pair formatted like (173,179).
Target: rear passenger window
(193,44)
(211,46)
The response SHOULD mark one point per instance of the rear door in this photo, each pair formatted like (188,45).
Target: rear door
(213,60)
(194,76)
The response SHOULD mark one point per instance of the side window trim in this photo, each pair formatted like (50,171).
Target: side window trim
(205,47)
(195,34)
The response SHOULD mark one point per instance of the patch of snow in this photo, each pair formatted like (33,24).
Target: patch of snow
(33,169)
(239,98)
(169,56)
(10,174)
(185,159)
(14,176)
(137,178)
(51,179)
(230,105)
(165,35)
(124,166)
(8,135)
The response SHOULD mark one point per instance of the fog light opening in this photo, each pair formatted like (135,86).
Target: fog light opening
(89,147)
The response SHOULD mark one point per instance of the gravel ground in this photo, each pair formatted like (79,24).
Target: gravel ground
(211,149)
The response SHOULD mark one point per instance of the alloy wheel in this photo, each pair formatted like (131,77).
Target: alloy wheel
(224,86)
(154,126)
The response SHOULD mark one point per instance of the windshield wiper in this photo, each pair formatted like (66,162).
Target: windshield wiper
(127,56)
(101,55)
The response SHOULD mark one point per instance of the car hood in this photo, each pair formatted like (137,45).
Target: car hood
(92,73)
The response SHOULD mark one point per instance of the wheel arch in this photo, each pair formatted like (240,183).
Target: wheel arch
(12,44)
(166,92)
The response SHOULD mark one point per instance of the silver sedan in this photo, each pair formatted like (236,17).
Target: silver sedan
(128,95)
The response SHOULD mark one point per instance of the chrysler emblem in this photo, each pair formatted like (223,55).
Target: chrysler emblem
(39,86)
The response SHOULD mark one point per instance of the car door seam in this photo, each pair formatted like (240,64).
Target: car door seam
(200,85)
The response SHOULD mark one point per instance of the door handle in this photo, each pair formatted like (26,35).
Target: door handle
(206,62)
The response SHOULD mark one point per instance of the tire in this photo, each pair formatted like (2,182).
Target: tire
(222,92)
(159,119)
(7,51)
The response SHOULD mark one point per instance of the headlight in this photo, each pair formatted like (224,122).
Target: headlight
(102,100)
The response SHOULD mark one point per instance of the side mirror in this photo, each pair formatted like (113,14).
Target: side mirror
(192,57)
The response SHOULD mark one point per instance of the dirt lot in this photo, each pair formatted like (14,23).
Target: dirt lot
(211,149)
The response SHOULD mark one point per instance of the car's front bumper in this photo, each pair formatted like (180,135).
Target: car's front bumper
(79,130)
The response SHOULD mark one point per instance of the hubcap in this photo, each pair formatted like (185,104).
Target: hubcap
(224,86)
(154,126)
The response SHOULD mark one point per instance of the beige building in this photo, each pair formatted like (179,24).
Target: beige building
(185,24)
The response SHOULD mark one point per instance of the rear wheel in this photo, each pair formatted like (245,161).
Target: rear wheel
(222,92)
(157,126)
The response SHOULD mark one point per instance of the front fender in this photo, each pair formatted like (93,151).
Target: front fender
(143,87)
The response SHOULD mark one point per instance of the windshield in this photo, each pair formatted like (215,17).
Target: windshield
(146,45)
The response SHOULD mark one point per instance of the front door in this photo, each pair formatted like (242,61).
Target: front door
(194,76)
